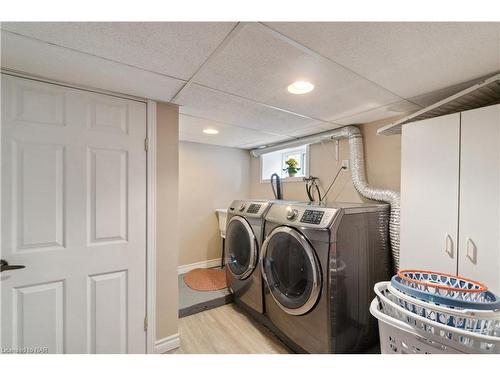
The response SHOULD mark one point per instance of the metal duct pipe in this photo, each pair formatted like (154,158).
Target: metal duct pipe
(310,139)
(357,161)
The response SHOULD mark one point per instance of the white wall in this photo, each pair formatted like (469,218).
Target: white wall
(210,177)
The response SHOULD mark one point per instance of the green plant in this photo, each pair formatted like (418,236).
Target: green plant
(291,166)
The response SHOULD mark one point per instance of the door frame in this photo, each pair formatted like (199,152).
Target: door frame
(151,227)
(150,144)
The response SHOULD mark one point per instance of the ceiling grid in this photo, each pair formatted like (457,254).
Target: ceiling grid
(234,75)
(219,48)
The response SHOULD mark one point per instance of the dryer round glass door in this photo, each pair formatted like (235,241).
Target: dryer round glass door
(241,248)
(291,270)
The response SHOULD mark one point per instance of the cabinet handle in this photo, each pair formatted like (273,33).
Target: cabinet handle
(448,245)
(471,250)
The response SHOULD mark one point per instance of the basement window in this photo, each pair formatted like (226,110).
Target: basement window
(275,162)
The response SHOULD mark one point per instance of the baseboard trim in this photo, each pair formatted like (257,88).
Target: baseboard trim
(204,264)
(167,343)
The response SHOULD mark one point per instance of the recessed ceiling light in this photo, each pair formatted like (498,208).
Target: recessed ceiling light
(210,131)
(300,87)
(263,146)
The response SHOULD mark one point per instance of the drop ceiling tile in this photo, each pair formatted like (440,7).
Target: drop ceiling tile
(60,64)
(310,130)
(256,64)
(191,129)
(314,129)
(407,58)
(400,108)
(267,140)
(252,145)
(206,103)
(173,48)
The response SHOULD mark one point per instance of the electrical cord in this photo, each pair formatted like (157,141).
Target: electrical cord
(334,179)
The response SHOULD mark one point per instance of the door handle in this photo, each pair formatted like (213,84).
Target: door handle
(448,245)
(471,250)
(4,266)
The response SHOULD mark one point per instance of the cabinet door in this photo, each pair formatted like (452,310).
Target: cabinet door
(479,221)
(429,194)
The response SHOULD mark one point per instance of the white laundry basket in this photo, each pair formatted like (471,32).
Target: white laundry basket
(402,331)
(397,337)
(486,322)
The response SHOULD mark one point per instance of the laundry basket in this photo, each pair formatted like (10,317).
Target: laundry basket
(397,337)
(402,331)
(445,288)
(483,300)
(486,322)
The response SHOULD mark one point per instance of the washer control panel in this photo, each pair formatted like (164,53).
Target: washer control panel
(249,208)
(312,217)
(254,208)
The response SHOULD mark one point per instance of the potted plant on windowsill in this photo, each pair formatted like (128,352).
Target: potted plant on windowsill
(291,167)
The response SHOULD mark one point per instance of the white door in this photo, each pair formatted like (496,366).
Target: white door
(479,250)
(429,194)
(74,213)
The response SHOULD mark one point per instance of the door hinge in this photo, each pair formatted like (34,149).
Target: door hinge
(146,323)
(146,144)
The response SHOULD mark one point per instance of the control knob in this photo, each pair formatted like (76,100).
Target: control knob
(242,206)
(292,214)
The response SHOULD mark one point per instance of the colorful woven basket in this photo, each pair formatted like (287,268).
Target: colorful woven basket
(445,289)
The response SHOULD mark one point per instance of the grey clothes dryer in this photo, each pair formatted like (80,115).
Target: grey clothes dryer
(319,264)
(244,234)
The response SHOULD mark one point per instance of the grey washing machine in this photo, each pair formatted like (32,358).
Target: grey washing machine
(319,264)
(244,234)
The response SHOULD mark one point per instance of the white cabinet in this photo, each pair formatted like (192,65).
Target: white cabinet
(429,191)
(450,195)
(479,218)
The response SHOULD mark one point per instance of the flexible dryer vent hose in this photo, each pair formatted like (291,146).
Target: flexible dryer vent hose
(357,162)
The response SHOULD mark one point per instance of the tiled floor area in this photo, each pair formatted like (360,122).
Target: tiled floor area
(226,330)
(192,301)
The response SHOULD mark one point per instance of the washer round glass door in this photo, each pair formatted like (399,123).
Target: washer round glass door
(291,270)
(241,248)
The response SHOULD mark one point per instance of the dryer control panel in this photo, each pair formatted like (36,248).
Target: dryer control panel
(312,217)
(302,215)
(315,215)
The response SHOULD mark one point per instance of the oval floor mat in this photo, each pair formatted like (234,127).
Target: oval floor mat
(203,279)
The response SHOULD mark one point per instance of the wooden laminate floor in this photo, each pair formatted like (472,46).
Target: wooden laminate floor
(226,330)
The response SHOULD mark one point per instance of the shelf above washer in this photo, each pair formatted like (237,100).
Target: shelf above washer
(481,94)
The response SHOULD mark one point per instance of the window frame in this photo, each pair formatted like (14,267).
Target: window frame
(307,163)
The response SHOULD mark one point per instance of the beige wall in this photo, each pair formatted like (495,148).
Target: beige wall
(383,168)
(210,177)
(167,187)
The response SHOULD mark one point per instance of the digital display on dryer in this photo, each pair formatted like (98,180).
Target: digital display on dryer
(312,217)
